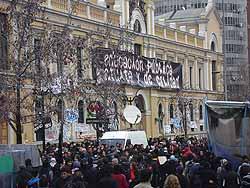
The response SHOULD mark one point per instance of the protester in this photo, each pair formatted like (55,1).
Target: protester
(172,181)
(145,178)
(119,177)
(164,163)
(182,179)
(23,176)
(230,179)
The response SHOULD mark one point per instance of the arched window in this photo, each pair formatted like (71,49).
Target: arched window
(201,112)
(59,110)
(213,46)
(80,111)
(171,111)
(137,26)
(160,117)
(191,108)
(140,103)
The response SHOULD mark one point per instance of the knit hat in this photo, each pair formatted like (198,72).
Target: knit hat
(172,158)
(76,164)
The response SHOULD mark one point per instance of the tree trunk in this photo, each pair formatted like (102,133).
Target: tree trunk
(18,114)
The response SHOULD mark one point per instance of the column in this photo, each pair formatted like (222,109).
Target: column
(127,11)
(165,33)
(206,75)
(165,56)
(49,4)
(210,75)
(186,83)
(154,114)
(176,57)
(196,74)
(105,16)
(153,19)
(154,53)
(88,11)
(149,20)
(123,10)
(145,50)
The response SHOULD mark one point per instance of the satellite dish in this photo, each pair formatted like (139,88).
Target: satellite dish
(132,114)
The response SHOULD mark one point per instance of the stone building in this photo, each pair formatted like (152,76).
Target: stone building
(234,15)
(154,44)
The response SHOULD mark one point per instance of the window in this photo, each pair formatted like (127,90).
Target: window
(171,111)
(37,52)
(80,111)
(140,103)
(59,58)
(213,46)
(79,62)
(190,77)
(192,129)
(200,79)
(137,26)
(214,75)
(201,128)
(59,110)
(160,117)
(191,108)
(201,112)
(137,49)
(172,128)
(3,41)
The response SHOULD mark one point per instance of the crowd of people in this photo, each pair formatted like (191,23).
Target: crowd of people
(164,163)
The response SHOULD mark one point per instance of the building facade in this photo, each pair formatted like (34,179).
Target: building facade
(167,109)
(234,16)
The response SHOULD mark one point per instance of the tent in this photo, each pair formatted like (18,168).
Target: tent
(228,126)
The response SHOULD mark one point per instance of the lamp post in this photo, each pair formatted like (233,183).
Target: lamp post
(41,119)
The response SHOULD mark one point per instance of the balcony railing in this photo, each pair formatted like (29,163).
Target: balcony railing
(86,10)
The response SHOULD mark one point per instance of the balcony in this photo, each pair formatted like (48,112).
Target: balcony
(179,36)
(85,10)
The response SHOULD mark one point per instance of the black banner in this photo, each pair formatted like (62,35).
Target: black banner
(127,68)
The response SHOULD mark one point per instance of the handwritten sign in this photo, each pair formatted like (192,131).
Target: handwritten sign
(71,115)
(127,68)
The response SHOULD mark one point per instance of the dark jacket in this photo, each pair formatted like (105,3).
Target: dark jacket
(245,183)
(231,180)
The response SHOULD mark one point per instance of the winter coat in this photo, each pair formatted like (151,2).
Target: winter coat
(121,180)
(245,183)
